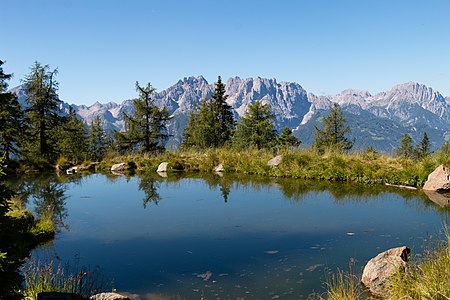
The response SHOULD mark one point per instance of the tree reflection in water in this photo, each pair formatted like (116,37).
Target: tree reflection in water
(149,185)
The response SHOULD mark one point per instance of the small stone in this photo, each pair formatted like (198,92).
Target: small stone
(274,162)
(108,296)
(162,167)
(119,168)
(219,168)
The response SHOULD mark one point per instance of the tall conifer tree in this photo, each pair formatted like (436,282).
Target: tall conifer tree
(43,111)
(145,129)
(212,124)
(11,118)
(256,127)
(332,136)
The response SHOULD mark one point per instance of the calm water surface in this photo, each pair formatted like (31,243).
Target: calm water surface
(228,237)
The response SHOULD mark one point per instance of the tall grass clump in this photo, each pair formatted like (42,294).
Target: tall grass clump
(47,277)
(429,278)
(344,286)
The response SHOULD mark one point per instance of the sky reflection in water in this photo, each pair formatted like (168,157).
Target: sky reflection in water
(233,236)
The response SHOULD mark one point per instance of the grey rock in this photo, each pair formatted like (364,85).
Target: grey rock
(162,168)
(71,170)
(274,162)
(219,168)
(438,180)
(378,270)
(108,296)
(119,168)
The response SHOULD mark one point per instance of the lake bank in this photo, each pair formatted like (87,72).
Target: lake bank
(366,168)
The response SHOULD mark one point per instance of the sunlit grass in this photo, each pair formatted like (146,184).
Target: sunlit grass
(48,277)
(367,168)
(429,278)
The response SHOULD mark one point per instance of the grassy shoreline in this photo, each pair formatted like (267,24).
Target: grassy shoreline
(366,168)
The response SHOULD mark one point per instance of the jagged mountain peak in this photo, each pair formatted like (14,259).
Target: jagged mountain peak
(192,80)
(406,108)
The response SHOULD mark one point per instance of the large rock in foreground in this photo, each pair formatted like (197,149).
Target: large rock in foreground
(438,180)
(378,270)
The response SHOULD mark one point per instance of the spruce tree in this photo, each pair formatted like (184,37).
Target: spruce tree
(43,111)
(256,127)
(423,149)
(11,119)
(145,129)
(224,114)
(332,136)
(212,124)
(72,141)
(96,141)
(286,139)
(406,148)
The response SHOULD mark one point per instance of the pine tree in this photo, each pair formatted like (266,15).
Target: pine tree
(333,133)
(202,128)
(225,118)
(212,124)
(96,141)
(406,148)
(12,118)
(256,127)
(43,111)
(286,139)
(145,129)
(423,149)
(72,142)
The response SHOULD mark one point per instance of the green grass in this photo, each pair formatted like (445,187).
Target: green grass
(47,277)
(367,168)
(344,286)
(428,277)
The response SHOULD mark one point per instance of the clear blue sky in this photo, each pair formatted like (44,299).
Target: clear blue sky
(102,47)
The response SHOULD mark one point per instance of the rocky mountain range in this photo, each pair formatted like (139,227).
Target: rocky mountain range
(375,120)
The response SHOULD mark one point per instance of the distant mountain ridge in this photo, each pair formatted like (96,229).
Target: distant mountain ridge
(375,120)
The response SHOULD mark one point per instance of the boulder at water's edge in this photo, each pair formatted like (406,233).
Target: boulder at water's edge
(162,167)
(378,270)
(438,180)
(119,168)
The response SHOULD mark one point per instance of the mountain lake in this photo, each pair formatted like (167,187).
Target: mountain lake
(229,237)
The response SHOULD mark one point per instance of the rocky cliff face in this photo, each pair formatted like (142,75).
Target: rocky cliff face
(378,120)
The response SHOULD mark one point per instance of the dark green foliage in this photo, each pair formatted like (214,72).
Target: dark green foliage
(423,149)
(150,188)
(96,141)
(145,129)
(256,127)
(406,148)
(43,112)
(224,112)
(286,139)
(332,136)
(212,124)
(11,118)
(14,241)
(72,142)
